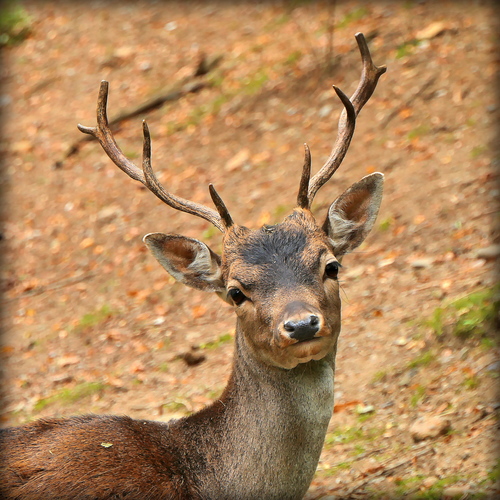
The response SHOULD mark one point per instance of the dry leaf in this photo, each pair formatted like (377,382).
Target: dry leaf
(68,360)
(86,242)
(343,406)
(238,160)
(431,31)
(198,311)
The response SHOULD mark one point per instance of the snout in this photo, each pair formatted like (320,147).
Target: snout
(300,322)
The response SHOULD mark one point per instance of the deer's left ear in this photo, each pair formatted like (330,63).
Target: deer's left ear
(352,215)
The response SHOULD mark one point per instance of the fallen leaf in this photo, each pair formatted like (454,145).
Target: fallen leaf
(343,406)
(86,243)
(68,360)
(431,31)
(198,311)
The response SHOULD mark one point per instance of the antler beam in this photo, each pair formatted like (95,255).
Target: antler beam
(105,137)
(367,84)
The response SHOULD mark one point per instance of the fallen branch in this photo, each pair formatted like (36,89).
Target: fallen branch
(386,469)
(408,101)
(188,85)
(56,285)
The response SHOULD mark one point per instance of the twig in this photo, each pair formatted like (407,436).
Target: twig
(408,101)
(56,285)
(388,468)
(187,85)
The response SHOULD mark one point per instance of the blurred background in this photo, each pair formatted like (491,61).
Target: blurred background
(231,91)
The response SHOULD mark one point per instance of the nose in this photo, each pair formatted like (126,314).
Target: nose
(300,322)
(302,329)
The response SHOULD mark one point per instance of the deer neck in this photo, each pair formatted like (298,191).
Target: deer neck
(276,421)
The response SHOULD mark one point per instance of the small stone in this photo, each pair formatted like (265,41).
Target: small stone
(325,110)
(421,263)
(238,160)
(401,341)
(107,214)
(487,253)
(429,427)
(429,481)
(363,409)
(455,492)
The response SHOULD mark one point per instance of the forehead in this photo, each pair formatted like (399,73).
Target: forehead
(290,249)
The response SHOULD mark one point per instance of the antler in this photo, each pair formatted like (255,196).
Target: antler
(105,137)
(347,122)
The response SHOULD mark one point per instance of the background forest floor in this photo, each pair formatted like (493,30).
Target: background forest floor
(92,324)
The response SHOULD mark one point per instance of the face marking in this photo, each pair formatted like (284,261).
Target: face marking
(273,269)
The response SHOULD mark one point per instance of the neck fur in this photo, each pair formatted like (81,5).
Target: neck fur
(276,421)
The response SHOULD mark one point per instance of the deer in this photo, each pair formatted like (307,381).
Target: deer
(262,438)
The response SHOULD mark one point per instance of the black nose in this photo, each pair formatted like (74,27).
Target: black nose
(303,329)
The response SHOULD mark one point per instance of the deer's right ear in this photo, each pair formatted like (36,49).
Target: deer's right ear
(188,260)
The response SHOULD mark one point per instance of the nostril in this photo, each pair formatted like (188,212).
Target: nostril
(304,329)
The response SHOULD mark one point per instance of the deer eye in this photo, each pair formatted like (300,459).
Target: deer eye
(237,296)
(332,270)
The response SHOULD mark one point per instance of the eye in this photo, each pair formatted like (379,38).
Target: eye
(332,270)
(237,296)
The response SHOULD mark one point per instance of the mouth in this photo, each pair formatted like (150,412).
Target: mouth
(308,341)
(315,348)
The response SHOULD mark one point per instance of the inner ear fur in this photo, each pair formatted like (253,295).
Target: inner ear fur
(188,260)
(352,215)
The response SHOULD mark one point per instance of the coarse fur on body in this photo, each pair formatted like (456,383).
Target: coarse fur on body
(262,438)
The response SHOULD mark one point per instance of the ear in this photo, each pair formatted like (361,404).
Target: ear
(352,215)
(188,260)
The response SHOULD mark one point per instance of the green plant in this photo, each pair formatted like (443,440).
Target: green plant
(209,233)
(15,24)
(419,131)
(406,48)
(385,224)
(468,317)
(92,319)
(477,151)
(423,359)
(471,382)
(418,395)
(494,473)
(435,322)
(332,471)
(253,84)
(351,434)
(177,406)
(474,313)
(70,395)
(353,16)
(379,376)
(223,339)
(435,492)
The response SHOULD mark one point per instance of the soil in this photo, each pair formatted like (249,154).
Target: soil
(93,324)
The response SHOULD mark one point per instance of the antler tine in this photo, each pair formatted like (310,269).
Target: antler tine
(367,84)
(221,207)
(302,198)
(105,137)
(154,185)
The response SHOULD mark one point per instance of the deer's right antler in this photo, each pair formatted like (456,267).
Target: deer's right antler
(105,137)
(347,122)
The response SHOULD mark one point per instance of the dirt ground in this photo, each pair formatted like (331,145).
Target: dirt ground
(91,322)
